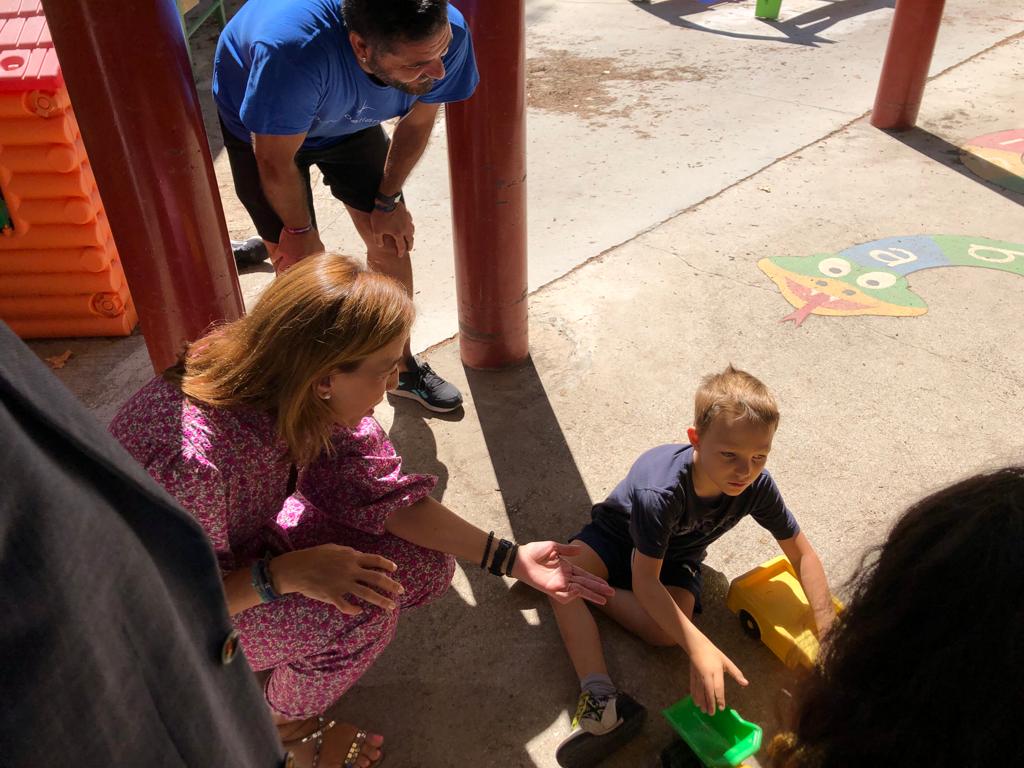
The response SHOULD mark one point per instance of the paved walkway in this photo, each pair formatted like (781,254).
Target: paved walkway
(709,141)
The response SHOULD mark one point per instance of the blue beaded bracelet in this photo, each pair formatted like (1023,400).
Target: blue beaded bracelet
(261,580)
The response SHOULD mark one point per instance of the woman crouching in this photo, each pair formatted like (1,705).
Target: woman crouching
(264,432)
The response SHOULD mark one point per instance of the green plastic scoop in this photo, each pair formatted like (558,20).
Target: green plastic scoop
(721,740)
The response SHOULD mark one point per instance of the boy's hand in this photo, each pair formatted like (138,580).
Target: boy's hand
(708,666)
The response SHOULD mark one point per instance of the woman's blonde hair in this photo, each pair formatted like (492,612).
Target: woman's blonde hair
(326,314)
(737,395)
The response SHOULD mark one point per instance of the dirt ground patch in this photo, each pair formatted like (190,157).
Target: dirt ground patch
(561,81)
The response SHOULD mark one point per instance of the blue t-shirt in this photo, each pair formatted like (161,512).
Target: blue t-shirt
(285,67)
(656,510)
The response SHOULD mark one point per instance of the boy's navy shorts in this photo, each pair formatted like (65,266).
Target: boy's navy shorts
(618,559)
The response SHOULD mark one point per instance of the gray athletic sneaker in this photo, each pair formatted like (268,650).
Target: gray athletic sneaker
(249,253)
(421,384)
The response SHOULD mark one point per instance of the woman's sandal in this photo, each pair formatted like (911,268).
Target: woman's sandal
(317,736)
(356,748)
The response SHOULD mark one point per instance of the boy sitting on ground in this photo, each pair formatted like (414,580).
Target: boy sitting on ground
(648,538)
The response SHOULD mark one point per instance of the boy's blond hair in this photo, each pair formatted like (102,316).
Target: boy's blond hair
(737,395)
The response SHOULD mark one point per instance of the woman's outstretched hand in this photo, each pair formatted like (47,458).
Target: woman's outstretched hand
(329,573)
(541,564)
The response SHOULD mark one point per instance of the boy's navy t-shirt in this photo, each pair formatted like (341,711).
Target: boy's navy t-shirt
(285,67)
(656,510)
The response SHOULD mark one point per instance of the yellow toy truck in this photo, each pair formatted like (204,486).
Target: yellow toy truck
(773,608)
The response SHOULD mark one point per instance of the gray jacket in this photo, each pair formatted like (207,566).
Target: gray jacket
(116,648)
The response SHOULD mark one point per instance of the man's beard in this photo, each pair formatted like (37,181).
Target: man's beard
(415,88)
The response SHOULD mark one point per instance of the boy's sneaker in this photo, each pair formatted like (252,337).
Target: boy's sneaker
(421,384)
(249,253)
(600,726)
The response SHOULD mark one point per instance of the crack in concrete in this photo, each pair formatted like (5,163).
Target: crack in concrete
(775,99)
(693,266)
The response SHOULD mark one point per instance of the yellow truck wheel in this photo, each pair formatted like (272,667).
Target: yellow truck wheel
(750,628)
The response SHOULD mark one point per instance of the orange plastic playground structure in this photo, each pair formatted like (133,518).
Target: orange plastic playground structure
(59,270)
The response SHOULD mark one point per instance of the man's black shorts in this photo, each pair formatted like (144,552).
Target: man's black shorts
(352,167)
(618,559)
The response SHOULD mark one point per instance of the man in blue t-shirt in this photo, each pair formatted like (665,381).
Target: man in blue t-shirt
(308,82)
(648,538)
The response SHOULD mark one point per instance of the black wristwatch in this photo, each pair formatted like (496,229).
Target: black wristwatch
(387,203)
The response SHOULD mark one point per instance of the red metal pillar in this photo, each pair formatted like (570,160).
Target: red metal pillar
(127,70)
(487,165)
(915,26)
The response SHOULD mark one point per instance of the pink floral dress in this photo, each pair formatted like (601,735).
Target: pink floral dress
(229,468)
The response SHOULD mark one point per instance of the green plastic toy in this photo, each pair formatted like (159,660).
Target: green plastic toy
(721,740)
(767,9)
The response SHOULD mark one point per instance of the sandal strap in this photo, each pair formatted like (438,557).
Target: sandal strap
(355,748)
(322,727)
(318,734)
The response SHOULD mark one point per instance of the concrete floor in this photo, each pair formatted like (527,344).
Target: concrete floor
(643,255)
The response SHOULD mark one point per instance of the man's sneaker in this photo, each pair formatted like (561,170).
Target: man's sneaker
(600,726)
(249,253)
(421,384)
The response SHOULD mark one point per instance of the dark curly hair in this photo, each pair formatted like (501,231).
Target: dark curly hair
(383,22)
(926,665)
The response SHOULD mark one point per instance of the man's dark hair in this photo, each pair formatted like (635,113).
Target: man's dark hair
(382,22)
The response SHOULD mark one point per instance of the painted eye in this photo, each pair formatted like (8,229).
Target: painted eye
(834,267)
(877,280)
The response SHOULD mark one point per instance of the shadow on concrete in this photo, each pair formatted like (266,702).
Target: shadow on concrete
(459,672)
(537,10)
(415,442)
(540,484)
(545,497)
(949,155)
(481,674)
(102,372)
(483,670)
(466,683)
(804,29)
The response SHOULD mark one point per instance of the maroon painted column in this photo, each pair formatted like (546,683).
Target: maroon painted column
(487,166)
(915,26)
(127,71)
